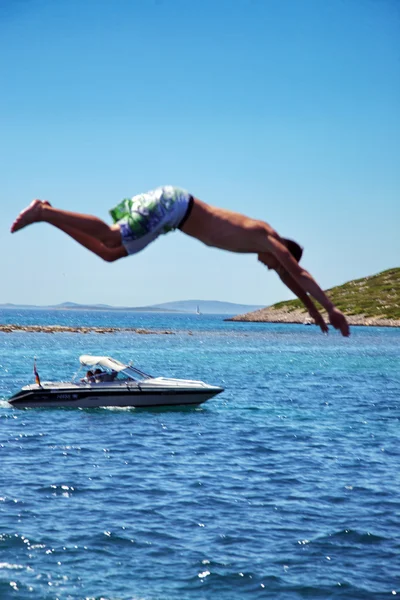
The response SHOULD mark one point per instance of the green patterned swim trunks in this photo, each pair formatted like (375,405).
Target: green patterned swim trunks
(144,217)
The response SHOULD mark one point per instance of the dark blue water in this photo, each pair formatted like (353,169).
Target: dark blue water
(285,486)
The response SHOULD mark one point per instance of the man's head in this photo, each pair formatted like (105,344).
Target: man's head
(295,250)
(271,262)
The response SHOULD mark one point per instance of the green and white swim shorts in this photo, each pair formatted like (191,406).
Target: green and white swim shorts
(144,217)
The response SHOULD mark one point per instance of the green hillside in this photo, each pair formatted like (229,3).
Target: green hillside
(374,296)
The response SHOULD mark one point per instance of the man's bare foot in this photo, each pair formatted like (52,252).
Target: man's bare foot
(31,214)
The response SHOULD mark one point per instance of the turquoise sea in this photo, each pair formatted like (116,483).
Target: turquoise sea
(286,486)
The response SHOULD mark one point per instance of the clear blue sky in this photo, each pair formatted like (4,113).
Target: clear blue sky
(286,110)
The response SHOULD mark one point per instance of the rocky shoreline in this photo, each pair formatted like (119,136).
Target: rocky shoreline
(67,329)
(273,315)
(264,315)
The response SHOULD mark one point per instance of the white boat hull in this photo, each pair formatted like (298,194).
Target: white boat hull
(100,395)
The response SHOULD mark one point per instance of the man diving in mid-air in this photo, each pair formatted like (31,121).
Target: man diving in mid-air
(140,220)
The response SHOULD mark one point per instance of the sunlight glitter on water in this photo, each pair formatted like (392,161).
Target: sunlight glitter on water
(268,481)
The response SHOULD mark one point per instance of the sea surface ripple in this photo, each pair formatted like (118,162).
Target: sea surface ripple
(286,486)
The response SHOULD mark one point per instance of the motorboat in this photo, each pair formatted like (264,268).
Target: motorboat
(110,382)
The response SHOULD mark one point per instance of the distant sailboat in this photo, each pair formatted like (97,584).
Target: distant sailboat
(198,310)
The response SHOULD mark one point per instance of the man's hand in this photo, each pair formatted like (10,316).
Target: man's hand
(318,318)
(338,321)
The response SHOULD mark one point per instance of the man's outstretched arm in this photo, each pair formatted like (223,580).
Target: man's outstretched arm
(305,298)
(309,285)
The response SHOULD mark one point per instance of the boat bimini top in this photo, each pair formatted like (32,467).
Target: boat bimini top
(112,364)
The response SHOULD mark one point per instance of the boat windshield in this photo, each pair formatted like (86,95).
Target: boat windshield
(132,373)
(102,374)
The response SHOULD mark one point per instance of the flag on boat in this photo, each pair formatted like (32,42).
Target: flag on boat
(37,378)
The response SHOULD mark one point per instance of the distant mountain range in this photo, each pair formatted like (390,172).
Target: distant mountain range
(214,307)
(185,306)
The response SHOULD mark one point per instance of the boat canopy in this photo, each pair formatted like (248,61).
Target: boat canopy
(102,361)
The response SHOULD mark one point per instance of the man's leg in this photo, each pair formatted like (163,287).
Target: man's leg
(94,245)
(39,211)
(90,242)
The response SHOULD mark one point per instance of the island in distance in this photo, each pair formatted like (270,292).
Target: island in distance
(210,307)
(372,300)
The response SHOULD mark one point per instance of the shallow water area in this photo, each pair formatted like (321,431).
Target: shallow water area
(285,486)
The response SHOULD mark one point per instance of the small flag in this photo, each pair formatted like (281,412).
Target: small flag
(37,378)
